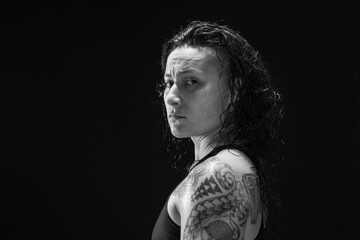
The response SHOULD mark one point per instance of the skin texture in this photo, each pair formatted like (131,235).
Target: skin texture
(195,94)
(216,201)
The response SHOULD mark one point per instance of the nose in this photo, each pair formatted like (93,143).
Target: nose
(172,97)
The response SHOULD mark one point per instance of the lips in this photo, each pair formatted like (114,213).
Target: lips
(175,116)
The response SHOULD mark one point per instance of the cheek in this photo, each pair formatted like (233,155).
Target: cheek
(212,109)
(166,106)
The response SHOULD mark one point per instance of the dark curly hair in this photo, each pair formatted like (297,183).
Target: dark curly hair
(250,123)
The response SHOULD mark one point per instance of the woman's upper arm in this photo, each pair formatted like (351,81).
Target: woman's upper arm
(222,204)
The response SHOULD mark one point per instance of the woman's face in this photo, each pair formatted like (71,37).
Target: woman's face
(196,93)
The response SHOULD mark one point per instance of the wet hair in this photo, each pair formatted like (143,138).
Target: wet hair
(250,122)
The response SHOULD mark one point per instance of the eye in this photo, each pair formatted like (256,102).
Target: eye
(190,81)
(168,84)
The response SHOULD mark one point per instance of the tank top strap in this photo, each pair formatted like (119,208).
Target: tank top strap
(213,152)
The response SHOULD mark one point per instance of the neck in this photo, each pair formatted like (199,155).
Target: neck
(204,144)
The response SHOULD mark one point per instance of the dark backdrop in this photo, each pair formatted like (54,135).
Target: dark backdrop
(82,154)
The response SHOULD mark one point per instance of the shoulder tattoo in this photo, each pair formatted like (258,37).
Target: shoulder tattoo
(193,177)
(223,203)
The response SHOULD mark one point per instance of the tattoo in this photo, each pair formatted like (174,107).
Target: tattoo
(193,177)
(224,203)
(219,229)
(224,175)
(225,206)
(251,186)
(206,188)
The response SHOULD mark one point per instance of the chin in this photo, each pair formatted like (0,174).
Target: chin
(179,134)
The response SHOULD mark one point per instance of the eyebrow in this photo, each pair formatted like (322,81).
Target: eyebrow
(182,72)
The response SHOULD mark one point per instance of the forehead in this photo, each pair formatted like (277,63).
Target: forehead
(187,58)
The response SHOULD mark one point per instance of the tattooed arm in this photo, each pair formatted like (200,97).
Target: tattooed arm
(223,203)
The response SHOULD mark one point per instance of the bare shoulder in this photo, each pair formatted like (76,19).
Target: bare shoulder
(223,200)
(237,160)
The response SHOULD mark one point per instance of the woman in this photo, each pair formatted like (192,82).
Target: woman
(216,91)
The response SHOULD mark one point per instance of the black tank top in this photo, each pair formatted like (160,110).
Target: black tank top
(165,228)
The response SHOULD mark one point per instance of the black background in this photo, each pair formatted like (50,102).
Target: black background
(82,153)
